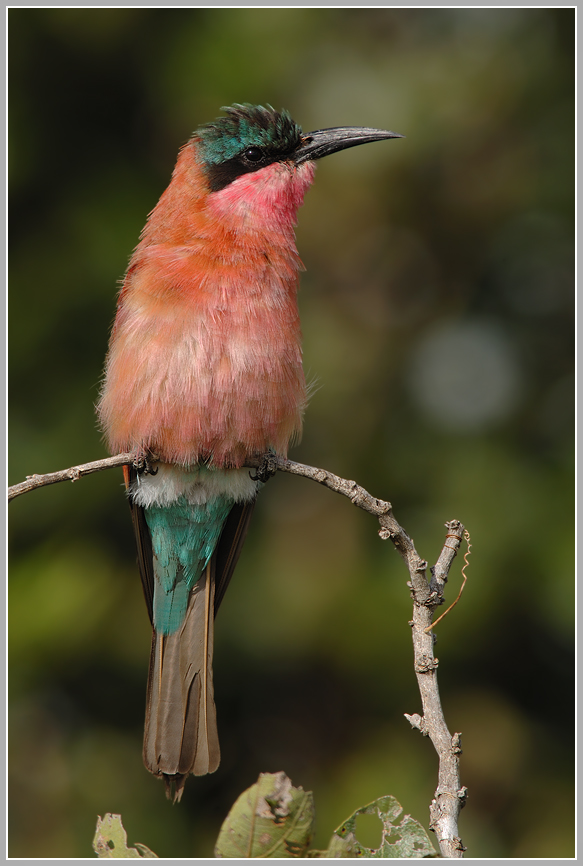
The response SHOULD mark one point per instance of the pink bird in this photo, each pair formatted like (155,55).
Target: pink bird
(204,370)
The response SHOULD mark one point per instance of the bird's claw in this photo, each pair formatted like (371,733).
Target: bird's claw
(266,469)
(144,463)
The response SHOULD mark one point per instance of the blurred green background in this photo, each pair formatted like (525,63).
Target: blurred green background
(437,312)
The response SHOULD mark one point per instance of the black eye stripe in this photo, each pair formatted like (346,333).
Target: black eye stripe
(249,160)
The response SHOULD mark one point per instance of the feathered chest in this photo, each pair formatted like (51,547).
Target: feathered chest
(205,356)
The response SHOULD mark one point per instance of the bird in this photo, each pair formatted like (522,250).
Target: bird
(204,371)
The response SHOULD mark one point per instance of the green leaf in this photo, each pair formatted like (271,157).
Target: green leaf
(269,819)
(406,839)
(111,839)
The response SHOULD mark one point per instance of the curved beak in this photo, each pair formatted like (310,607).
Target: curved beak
(323,142)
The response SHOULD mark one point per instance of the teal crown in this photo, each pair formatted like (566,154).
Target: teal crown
(248,126)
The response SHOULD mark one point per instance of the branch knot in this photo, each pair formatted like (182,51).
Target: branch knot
(456,744)
(426,664)
(417,721)
(462,796)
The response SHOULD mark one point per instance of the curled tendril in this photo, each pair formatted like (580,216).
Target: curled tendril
(465,577)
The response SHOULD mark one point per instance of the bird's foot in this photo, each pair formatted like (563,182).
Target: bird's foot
(266,469)
(144,462)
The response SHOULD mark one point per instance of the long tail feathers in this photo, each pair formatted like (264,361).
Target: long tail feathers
(180,735)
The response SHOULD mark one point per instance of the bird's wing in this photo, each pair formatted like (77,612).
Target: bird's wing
(229,547)
(143,544)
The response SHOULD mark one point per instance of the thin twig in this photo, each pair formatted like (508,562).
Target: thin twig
(465,577)
(449,796)
(33,482)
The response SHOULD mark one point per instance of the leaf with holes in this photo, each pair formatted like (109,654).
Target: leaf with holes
(111,839)
(269,819)
(405,839)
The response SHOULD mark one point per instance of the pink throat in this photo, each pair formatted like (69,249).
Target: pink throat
(264,199)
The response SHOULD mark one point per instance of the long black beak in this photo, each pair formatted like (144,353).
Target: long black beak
(323,142)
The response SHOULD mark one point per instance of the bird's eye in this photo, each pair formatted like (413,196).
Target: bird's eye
(253,154)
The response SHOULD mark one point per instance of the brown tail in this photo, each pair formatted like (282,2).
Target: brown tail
(180,735)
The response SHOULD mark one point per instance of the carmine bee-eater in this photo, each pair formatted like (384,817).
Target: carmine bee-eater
(204,370)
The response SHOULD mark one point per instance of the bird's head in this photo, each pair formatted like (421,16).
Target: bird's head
(252,137)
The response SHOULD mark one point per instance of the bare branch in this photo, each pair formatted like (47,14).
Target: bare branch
(33,482)
(449,796)
(357,495)
(390,528)
(427,595)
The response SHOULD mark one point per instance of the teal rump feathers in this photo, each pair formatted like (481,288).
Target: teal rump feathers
(184,538)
